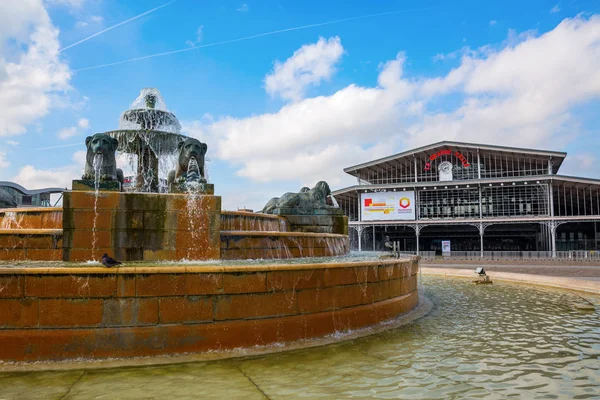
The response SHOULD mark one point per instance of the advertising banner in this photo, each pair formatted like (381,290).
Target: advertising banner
(446,249)
(388,206)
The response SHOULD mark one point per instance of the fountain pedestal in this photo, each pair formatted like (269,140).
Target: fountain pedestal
(203,188)
(87,185)
(140,226)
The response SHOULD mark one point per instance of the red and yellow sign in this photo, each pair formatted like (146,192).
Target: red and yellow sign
(388,206)
(447,152)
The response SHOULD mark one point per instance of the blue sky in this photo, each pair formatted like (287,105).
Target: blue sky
(285,110)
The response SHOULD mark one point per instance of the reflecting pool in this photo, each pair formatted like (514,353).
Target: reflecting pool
(491,341)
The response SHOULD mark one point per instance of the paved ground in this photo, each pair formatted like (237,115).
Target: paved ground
(591,272)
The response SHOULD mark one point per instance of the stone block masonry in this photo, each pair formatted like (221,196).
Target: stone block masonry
(64,313)
(140,226)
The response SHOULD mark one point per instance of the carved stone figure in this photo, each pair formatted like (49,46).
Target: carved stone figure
(104,145)
(7,200)
(189,150)
(305,201)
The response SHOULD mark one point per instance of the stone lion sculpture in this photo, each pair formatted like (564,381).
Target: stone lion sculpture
(104,145)
(306,200)
(7,200)
(189,149)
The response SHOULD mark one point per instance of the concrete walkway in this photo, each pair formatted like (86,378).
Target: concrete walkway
(591,272)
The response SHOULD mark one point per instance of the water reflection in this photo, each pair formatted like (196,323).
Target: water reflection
(478,342)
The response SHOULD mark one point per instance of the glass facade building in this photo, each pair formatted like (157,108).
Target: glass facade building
(477,197)
(29,198)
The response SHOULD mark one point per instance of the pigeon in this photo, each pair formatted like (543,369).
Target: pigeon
(108,261)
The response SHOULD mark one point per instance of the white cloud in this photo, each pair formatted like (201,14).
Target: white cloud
(12,142)
(68,3)
(493,22)
(199,36)
(305,139)
(67,133)
(83,123)
(243,8)
(33,178)
(32,76)
(555,9)
(308,66)
(88,20)
(521,93)
(79,157)
(4,163)
(579,164)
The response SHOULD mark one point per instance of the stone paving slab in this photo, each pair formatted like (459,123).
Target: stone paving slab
(572,283)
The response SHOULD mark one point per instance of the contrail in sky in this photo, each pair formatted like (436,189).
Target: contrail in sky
(115,26)
(296,28)
(60,146)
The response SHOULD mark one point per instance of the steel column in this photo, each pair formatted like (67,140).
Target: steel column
(373,237)
(481,239)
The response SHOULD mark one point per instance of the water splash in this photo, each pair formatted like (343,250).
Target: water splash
(149,112)
(140,101)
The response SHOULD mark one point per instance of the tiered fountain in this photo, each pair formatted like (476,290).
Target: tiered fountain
(162,300)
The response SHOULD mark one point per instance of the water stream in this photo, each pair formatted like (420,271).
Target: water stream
(11,220)
(98,160)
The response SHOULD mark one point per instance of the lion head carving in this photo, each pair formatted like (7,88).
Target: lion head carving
(102,147)
(188,149)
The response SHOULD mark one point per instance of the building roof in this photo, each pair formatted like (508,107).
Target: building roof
(559,156)
(558,179)
(30,192)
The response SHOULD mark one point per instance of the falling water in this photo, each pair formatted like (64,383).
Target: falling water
(11,220)
(194,213)
(207,166)
(193,171)
(98,160)
(334,201)
(252,222)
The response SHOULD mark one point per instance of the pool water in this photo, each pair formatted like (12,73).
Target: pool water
(491,341)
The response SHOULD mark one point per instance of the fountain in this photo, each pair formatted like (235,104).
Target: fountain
(194,278)
(149,132)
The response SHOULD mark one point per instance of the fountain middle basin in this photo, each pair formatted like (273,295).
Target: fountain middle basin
(77,311)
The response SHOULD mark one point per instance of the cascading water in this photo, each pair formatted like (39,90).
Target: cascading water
(98,160)
(10,221)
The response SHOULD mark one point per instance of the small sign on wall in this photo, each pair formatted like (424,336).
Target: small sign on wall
(446,249)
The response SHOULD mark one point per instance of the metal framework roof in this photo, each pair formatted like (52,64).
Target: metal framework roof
(557,155)
(564,179)
(30,192)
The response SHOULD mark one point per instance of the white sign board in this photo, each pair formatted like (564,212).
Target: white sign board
(446,246)
(388,206)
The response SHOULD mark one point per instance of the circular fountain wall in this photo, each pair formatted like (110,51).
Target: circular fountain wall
(60,313)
